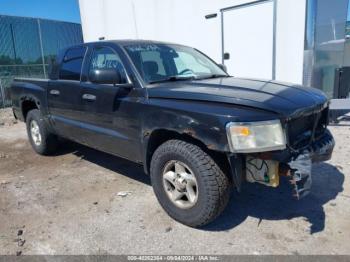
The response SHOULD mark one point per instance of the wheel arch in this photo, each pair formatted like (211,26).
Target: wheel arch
(29,103)
(159,136)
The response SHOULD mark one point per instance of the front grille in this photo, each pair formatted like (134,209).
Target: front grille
(301,130)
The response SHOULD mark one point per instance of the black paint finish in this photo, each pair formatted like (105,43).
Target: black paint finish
(120,119)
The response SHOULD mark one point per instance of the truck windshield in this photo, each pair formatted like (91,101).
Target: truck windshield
(164,62)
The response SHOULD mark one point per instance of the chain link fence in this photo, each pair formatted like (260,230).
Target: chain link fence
(5,99)
(8,73)
(27,45)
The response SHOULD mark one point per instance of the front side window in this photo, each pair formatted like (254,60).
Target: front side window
(163,62)
(72,63)
(106,58)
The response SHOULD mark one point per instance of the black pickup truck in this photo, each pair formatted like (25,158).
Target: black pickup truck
(196,130)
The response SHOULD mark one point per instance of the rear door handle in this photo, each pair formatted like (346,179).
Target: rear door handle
(54,92)
(89,97)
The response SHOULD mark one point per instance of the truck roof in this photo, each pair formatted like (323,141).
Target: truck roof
(125,42)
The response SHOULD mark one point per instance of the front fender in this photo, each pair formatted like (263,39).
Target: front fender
(188,119)
(203,122)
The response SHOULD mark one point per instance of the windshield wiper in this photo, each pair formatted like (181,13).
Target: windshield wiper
(173,78)
(214,76)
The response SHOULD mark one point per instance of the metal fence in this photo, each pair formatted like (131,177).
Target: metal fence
(27,45)
(5,99)
(8,73)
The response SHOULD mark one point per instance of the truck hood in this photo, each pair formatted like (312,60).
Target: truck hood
(286,100)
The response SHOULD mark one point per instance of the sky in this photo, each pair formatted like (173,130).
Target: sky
(63,10)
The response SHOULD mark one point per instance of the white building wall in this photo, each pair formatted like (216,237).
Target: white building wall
(250,44)
(291,15)
(182,21)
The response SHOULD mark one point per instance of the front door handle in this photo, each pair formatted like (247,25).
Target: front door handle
(89,97)
(54,92)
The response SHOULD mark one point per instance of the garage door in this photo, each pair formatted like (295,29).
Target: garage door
(248,36)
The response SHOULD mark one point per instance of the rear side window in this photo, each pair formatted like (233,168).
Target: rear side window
(72,63)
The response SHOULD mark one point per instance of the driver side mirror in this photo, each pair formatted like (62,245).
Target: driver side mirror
(223,67)
(105,76)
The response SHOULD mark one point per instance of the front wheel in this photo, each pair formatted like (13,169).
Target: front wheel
(42,141)
(188,184)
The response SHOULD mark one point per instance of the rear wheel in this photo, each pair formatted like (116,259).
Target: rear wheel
(42,141)
(189,185)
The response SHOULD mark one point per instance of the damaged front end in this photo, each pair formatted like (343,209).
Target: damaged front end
(309,141)
(301,164)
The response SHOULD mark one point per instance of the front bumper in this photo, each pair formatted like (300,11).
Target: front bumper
(296,164)
(322,149)
(301,163)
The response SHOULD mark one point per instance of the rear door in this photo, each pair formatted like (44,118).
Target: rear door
(111,112)
(64,94)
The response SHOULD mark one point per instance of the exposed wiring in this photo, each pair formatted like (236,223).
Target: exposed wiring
(263,163)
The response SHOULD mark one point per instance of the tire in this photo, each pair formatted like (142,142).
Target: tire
(212,188)
(42,141)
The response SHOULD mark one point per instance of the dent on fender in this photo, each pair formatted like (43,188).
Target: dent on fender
(203,131)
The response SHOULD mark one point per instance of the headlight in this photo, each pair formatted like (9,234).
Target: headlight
(255,136)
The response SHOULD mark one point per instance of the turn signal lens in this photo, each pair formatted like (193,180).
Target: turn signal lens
(241,130)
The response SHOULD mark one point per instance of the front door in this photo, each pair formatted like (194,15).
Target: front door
(110,112)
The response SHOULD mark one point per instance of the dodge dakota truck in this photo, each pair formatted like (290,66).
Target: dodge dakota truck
(198,132)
